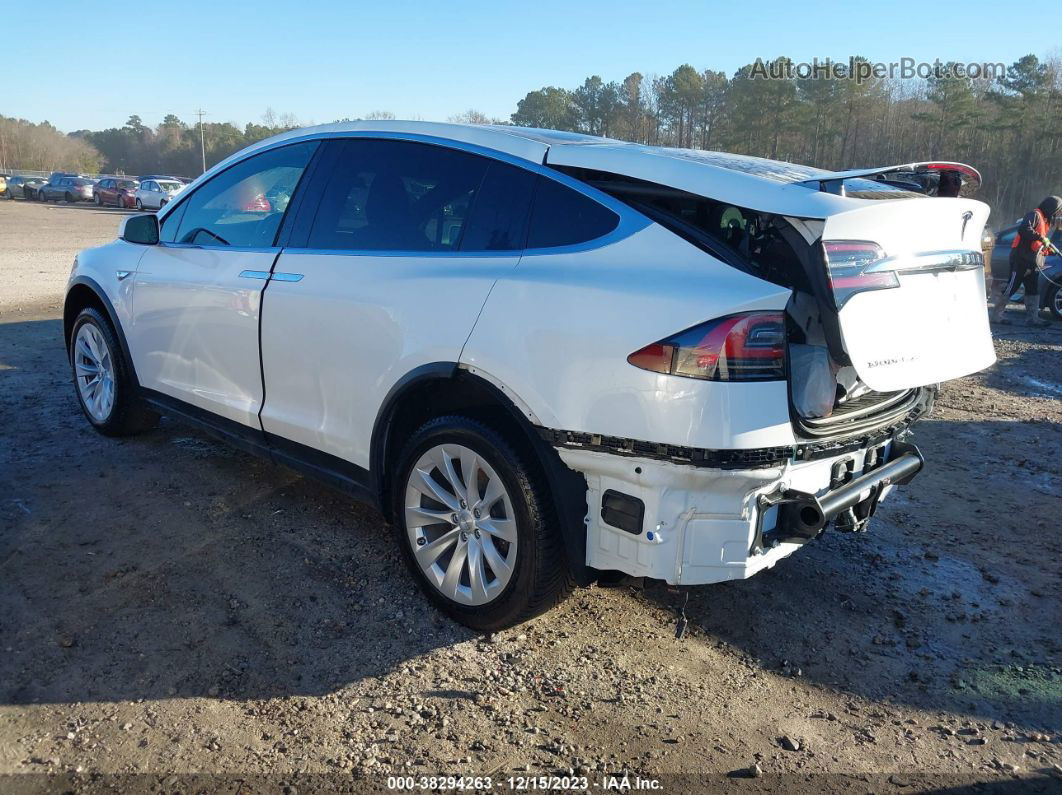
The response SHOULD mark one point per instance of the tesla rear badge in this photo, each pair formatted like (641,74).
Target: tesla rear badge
(966,216)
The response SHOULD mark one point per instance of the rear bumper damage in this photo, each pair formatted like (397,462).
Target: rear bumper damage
(694,525)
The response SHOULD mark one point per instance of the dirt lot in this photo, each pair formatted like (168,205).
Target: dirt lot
(175,615)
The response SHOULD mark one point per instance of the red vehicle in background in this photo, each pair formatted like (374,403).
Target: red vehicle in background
(116,191)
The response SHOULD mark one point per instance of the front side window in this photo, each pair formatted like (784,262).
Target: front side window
(243,205)
(396,196)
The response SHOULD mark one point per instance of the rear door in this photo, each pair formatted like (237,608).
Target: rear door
(907,278)
(197,294)
(393,252)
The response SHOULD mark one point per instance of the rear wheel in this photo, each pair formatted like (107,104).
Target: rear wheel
(103,378)
(475,527)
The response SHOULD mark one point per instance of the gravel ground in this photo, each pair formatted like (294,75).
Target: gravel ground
(175,615)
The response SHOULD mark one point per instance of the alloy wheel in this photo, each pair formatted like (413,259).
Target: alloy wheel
(1056,303)
(94,369)
(460,524)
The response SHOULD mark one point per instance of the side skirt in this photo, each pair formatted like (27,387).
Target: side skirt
(349,478)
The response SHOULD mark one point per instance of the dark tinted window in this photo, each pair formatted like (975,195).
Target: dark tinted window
(243,205)
(564,217)
(396,196)
(499,215)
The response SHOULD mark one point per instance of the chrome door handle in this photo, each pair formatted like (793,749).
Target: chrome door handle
(263,275)
(287,277)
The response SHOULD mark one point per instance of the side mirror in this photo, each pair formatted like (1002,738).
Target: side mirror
(140,229)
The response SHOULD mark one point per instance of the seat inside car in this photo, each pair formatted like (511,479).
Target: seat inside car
(391,223)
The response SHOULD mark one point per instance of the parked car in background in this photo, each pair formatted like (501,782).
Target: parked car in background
(117,191)
(68,189)
(54,179)
(1051,287)
(3,185)
(1000,260)
(154,193)
(31,188)
(23,187)
(546,356)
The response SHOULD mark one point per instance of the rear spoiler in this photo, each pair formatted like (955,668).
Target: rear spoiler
(833,181)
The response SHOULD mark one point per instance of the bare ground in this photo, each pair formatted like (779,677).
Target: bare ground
(175,615)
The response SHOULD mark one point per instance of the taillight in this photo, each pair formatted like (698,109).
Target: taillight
(856,266)
(745,347)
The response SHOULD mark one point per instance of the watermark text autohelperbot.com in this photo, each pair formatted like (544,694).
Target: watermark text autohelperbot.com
(861,70)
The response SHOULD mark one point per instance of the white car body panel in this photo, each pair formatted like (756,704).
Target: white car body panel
(337,340)
(103,264)
(550,331)
(194,330)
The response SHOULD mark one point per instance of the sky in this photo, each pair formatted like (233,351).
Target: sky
(91,64)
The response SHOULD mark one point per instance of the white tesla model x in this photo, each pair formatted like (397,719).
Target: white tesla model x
(545,356)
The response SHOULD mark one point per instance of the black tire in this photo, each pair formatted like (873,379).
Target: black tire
(139,205)
(129,415)
(1054,301)
(68,198)
(541,578)
(96,198)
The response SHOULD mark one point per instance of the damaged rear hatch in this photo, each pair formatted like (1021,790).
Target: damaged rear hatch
(898,275)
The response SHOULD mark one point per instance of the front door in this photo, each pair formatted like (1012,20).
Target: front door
(197,294)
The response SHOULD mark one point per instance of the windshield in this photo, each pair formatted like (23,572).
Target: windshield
(168,186)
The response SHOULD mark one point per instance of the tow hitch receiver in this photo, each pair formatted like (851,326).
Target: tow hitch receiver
(803,516)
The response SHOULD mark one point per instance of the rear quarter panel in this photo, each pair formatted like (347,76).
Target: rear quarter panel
(556,332)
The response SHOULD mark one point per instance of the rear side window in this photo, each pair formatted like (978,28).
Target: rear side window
(498,221)
(396,196)
(564,217)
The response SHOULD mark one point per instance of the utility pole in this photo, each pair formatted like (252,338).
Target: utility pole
(202,139)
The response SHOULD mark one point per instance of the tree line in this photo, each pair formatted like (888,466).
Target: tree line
(1008,126)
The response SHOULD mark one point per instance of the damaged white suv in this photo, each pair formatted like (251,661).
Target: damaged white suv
(546,356)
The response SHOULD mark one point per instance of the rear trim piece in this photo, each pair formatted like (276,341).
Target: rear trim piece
(861,418)
(754,458)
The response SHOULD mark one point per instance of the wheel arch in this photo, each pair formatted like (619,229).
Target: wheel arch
(85,292)
(441,388)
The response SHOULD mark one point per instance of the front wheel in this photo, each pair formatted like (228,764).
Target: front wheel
(140,205)
(103,378)
(476,527)
(1054,301)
